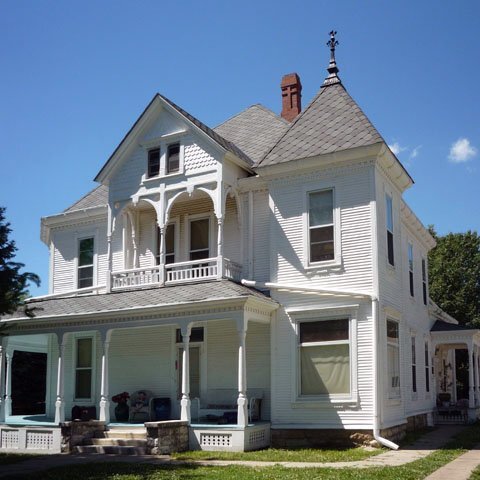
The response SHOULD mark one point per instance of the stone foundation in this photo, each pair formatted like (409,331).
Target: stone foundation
(166,437)
(317,438)
(417,422)
(394,434)
(75,433)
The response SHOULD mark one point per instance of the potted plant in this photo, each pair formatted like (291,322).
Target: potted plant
(121,410)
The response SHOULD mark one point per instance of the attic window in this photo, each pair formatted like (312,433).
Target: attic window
(173,158)
(153,162)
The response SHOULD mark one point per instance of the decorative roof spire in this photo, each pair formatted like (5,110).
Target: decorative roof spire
(332,66)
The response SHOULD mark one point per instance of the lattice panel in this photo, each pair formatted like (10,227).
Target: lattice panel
(10,439)
(39,440)
(215,440)
(257,437)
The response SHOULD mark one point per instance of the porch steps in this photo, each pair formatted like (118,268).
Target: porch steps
(117,441)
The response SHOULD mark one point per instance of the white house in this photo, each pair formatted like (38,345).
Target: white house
(264,278)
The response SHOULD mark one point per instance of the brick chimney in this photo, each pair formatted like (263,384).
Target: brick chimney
(291,96)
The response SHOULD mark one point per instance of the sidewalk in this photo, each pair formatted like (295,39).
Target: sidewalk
(460,469)
(420,449)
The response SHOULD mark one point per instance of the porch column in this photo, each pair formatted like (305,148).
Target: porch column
(242,401)
(471,390)
(104,403)
(8,384)
(108,281)
(185,401)
(133,232)
(2,378)
(161,252)
(60,401)
(220,247)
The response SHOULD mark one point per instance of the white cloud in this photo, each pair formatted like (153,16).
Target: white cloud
(414,152)
(462,151)
(396,148)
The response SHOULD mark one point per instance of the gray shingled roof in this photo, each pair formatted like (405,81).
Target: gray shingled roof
(254,130)
(171,295)
(98,197)
(440,326)
(332,122)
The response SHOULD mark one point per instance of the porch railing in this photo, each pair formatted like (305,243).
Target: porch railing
(136,277)
(174,273)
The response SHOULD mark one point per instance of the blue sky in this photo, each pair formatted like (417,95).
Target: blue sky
(76,75)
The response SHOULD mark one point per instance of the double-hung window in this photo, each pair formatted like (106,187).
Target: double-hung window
(393,359)
(414,364)
(321,231)
(83,367)
(324,353)
(199,239)
(427,368)
(410,269)
(153,162)
(389,224)
(85,262)
(173,158)
(424,281)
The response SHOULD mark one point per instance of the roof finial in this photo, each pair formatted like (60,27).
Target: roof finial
(332,66)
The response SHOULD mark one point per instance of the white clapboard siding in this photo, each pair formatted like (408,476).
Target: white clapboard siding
(285,369)
(261,236)
(231,232)
(147,226)
(353,194)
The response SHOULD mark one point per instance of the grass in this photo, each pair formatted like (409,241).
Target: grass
(281,455)
(475,474)
(133,471)
(9,458)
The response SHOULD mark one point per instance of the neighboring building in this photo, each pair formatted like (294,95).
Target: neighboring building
(267,272)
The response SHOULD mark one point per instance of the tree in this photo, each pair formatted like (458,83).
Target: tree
(13,283)
(454,275)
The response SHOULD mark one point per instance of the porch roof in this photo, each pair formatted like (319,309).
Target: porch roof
(440,326)
(69,306)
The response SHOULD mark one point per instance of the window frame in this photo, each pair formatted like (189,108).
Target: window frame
(211,233)
(336,217)
(167,158)
(78,239)
(149,151)
(413,346)
(424,282)
(92,337)
(411,263)
(427,367)
(316,314)
(390,229)
(393,393)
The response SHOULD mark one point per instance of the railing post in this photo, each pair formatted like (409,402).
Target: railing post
(162,254)
(220,247)
(109,264)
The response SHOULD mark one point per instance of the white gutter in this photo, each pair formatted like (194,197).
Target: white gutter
(69,293)
(374,299)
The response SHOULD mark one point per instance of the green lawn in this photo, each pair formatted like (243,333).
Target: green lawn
(123,471)
(280,455)
(476,474)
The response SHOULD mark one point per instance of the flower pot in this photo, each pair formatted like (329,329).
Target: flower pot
(121,412)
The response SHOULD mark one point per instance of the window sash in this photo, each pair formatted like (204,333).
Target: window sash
(153,162)
(393,359)
(414,365)
(199,239)
(173,158)
(84,368)
(389,227)
(321,226)
(85,267)
(424,281)
(427,368)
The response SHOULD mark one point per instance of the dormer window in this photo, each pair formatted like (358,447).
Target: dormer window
(153,162)
(173,158)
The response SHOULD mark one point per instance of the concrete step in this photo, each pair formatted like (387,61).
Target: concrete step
(123,442)
(139,434)
(111,449)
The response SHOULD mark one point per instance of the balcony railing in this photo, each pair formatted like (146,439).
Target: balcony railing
(175,273)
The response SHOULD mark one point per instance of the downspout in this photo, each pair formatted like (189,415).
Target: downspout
(374,300)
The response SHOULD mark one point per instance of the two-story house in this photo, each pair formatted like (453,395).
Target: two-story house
(264,281)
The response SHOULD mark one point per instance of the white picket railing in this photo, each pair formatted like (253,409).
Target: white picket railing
(182,272)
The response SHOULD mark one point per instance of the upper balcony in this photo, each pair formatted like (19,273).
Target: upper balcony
(197,240)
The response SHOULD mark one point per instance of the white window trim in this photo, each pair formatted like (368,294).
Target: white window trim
(425,281)
(337,233)
(411,269)
(317,314)
(392,231)
(427,369)
(391,395)
(211,232)
(413,363)
(162,143)
(76,336)
(77,239)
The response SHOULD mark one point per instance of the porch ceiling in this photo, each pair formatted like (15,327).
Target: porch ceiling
(223,293)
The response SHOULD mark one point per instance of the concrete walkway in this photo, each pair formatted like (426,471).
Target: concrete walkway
(459,469)
(420,449)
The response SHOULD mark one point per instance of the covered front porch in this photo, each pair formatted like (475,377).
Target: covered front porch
(457,372)
(196,357)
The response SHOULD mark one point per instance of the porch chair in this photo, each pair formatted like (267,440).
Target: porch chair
(140,408)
